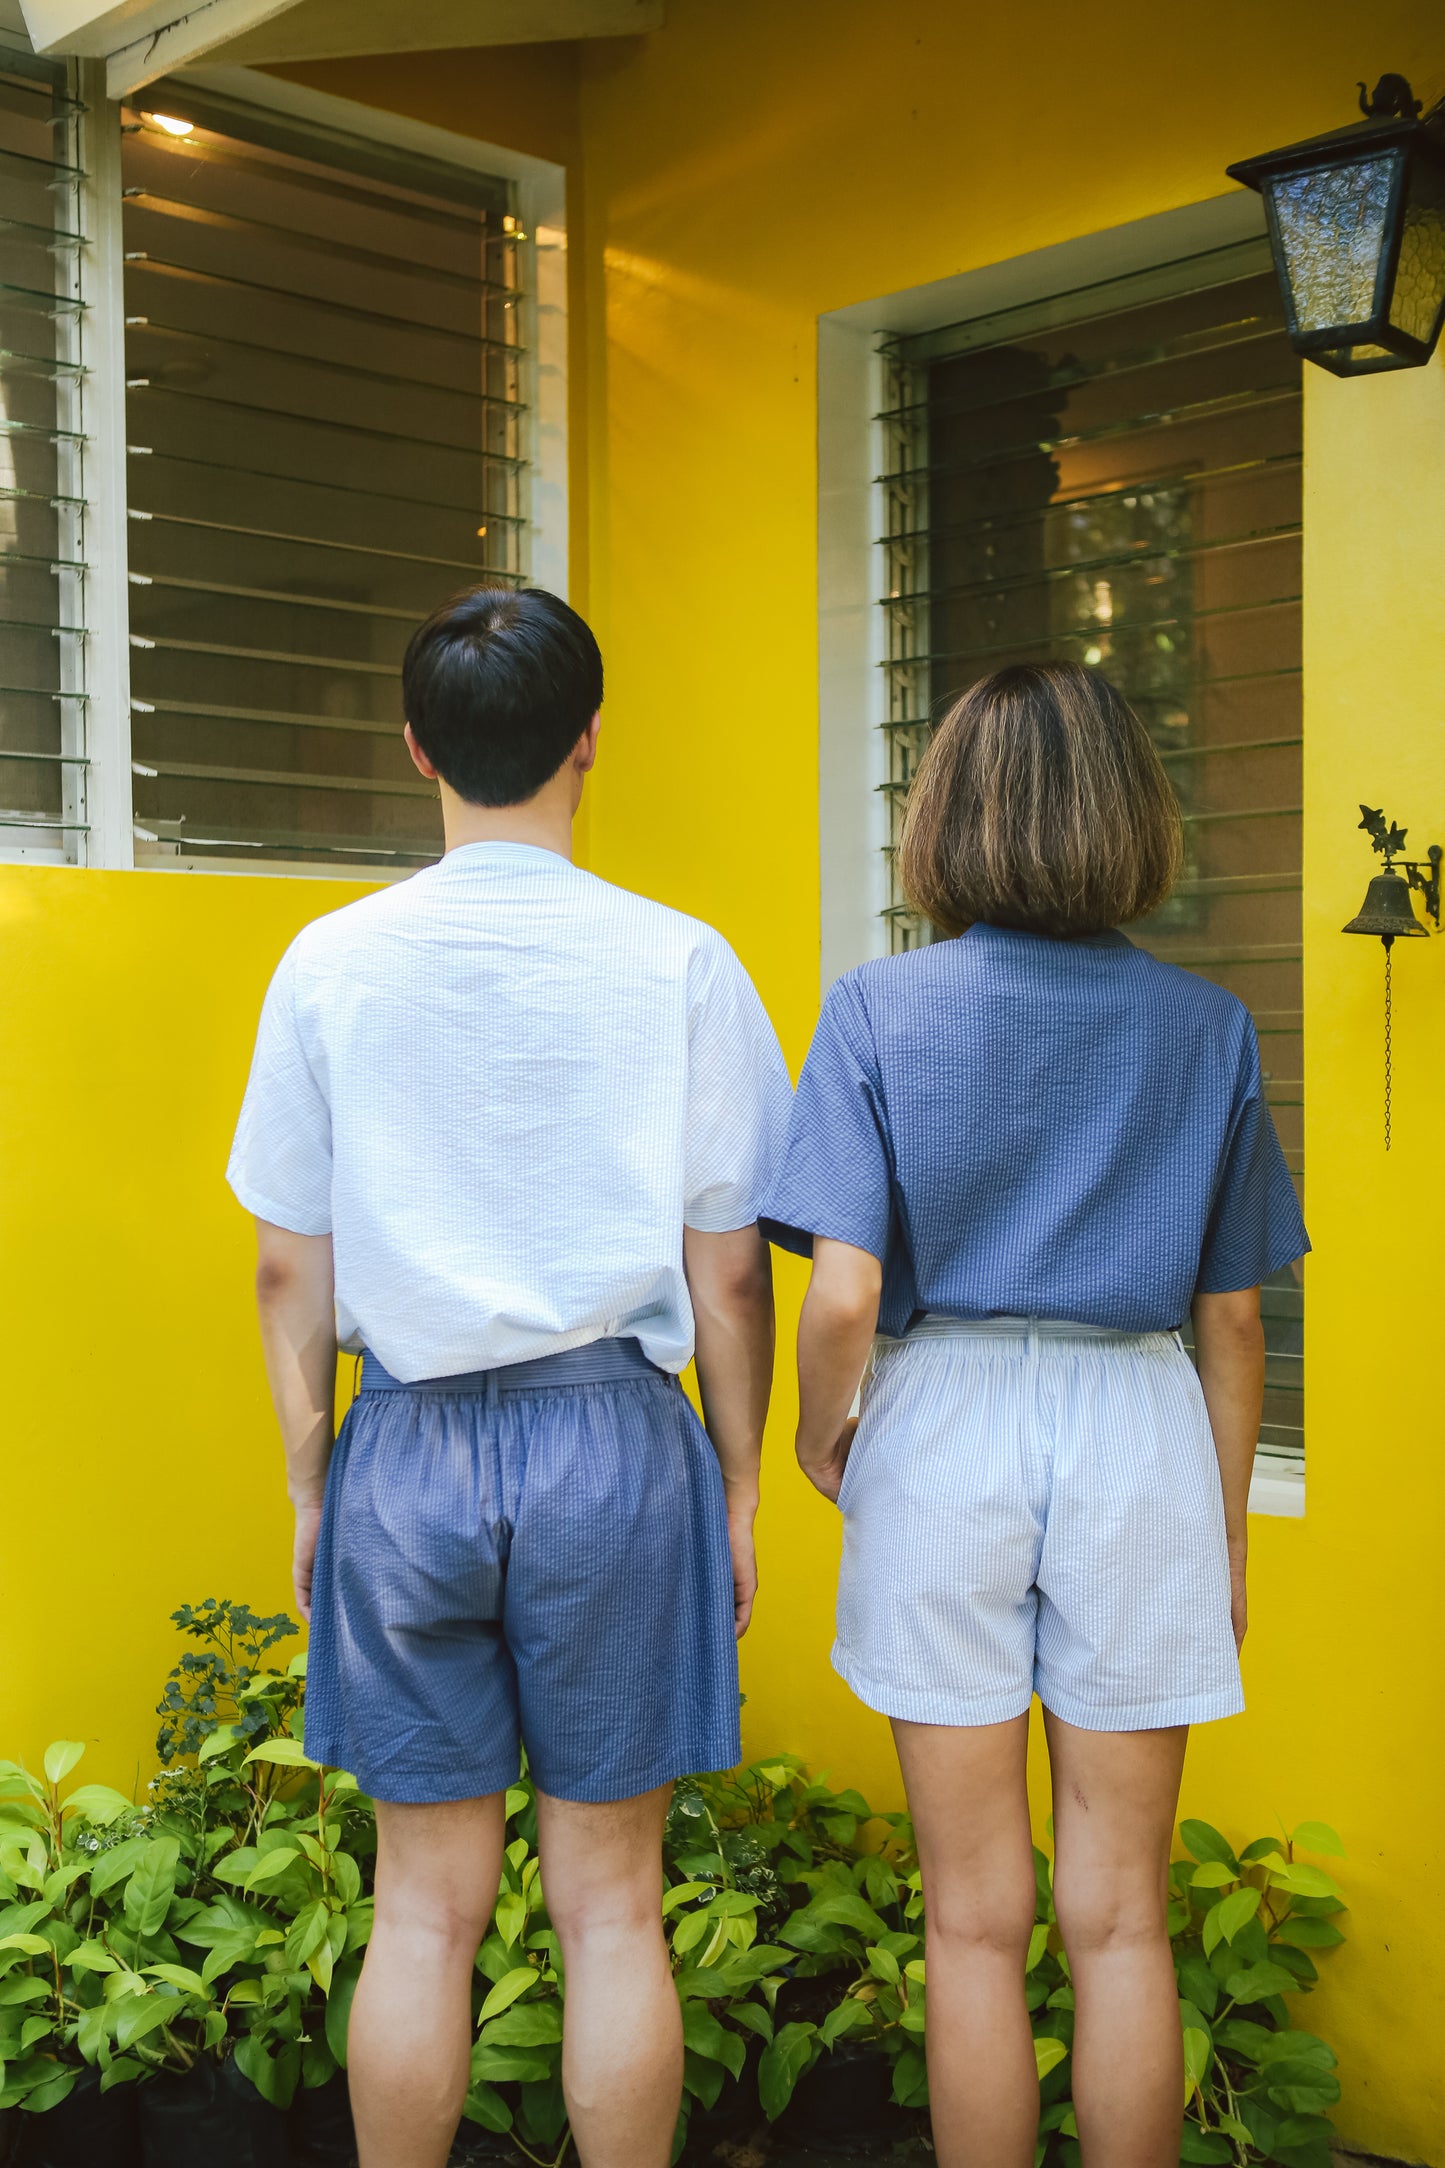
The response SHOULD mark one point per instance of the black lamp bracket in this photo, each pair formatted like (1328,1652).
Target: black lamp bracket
(1421,873)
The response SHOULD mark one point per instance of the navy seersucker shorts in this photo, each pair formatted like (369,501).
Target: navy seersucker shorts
(533,1555)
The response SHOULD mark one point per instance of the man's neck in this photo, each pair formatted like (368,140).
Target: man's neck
(545,821)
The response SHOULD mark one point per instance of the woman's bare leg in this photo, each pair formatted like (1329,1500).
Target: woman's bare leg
(1115,1797)
(969,1801)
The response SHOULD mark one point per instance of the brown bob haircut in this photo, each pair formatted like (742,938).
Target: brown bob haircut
(1041,804)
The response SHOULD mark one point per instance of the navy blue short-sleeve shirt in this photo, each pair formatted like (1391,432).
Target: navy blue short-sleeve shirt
(1018,1126)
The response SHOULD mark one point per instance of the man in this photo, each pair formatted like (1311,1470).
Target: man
(508,1129)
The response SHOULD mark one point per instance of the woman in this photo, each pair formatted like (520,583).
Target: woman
(1021,1156)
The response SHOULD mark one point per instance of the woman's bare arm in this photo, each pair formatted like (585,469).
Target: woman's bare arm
(835,1332)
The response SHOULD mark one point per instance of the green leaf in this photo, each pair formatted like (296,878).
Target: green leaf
(1318,1837)
(682,1893)
(22,1987)
(506,1991)
(511,1915)
(849,2016)
(1212,1874)
(115,1865)
(1224,1920)
(782,2063)
(884,1966)
(1204,1842)
(485,2105)
(1298,1876)
(1255,1982)
(526,2025)
(290,1753)
(99,1803)
(338,2006)
(1305,1934)
(707,2035)
(31,1945)
(220,1741)
(181,1976)
(151,1887)
(517,1798)
(307,1932)
(1048,2054)
(61,1757)
(270,1864)
(1197,2056)
(139,2015)
(1196,2145)
(690,1930)
(1038,1945)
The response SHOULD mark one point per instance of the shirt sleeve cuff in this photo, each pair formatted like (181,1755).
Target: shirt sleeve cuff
(293,1218)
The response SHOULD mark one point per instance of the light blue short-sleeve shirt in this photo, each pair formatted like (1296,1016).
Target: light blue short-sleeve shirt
(1018,1126)
(504,1087)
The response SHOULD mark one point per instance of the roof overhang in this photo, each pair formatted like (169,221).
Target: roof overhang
(140,40)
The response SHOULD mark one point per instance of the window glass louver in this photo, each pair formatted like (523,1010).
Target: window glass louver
(326,435)
(1113,477)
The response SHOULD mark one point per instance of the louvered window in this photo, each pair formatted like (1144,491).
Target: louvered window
(1113,477)
(323,356)
(42,467)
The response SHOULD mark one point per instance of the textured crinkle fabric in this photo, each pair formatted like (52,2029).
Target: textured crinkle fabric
(504,1087)
(1034,1510)
(536,1560)
(1019,1126)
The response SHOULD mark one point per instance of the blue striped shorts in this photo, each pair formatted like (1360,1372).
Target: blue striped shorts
(1032,1507)
(534,1555)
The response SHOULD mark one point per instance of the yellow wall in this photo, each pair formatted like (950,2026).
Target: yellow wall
(742,170)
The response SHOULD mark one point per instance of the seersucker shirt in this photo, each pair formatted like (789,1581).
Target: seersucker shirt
(503,1087)
(1018,1126)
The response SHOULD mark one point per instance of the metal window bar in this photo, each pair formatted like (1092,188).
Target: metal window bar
(327,400)
(43,694)
(1113,476)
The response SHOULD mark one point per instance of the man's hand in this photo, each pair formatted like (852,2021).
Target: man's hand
(826,1473)
(730,1281)
(1238,1595)
(745,1566)
(303,1555)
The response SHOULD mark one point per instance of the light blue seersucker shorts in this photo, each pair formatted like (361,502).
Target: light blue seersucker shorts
(1034,1507)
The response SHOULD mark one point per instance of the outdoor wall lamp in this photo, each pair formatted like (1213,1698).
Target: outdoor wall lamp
(1387,910)
(1357,229)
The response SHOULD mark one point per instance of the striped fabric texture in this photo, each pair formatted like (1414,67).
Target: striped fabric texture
(1034,1508)
(504,1087)
(536,1557)
(1019,1126)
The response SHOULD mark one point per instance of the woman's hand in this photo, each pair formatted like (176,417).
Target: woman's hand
(303,1555)
(826,1473)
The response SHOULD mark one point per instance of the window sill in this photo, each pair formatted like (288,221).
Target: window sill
(1278,1486)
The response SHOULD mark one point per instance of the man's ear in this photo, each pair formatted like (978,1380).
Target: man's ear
(585,751)
(419,760)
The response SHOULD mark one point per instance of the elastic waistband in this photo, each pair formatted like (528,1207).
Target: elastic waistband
(601,1362)
(1031,1330)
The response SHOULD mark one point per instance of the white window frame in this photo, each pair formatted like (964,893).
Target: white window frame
(852,514)
(541,188)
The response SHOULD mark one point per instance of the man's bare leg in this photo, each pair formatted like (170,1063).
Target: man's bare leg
(622,2048)
(409,2048)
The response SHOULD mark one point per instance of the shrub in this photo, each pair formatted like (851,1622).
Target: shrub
(229,1914)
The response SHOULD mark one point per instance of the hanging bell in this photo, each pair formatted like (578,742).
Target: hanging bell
(1386,910)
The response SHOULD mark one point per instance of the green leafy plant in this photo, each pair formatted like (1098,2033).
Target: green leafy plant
(206,1688)
(229,1914)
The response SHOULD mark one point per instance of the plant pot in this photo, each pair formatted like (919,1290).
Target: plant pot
(845,2103)
(320,2126)
(210,2117)
(9,2135)
(88,2129)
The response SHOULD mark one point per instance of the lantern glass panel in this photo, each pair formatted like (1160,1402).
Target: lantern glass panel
(1333,225)
(1419,294)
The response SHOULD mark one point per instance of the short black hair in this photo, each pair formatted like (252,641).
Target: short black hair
(498,685)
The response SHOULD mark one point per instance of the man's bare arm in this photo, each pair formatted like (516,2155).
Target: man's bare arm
(730,1280)
(1229,1351)
(295,1296)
